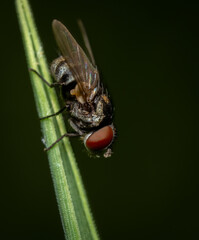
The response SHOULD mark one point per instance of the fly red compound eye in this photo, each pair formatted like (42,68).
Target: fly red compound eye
(100,139)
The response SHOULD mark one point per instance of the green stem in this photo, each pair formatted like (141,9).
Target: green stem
(72,201)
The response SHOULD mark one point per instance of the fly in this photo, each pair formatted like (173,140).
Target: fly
(86,100)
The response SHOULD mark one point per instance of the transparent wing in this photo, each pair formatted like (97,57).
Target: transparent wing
(84,72)
(86,41)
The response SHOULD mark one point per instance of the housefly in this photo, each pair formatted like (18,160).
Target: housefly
(85,98)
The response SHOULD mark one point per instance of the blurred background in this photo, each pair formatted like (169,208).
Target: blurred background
(149,57)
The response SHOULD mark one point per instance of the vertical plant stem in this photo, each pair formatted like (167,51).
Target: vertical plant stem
(72,201)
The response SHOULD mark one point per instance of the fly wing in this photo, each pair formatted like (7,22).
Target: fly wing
(84,72)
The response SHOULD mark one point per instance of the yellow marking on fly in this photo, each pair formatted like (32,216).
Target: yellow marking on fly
(78,94)
(106,100)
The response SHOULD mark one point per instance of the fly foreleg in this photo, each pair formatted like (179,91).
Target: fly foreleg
(75,127)
(77,133)
(59,139)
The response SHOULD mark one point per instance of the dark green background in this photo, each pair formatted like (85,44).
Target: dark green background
(149,57)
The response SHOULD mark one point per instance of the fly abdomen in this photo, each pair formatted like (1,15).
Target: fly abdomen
(60,71)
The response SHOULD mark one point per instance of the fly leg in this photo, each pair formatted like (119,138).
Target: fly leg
(77,133)
(59,139)
(75,127)
(54,114)
(51,85)
(66,107)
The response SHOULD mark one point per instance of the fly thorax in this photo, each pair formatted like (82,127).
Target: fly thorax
(97,119)
(100,108)
(98,114)
(104,109)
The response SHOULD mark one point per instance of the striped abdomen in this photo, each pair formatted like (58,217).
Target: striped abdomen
(60,71)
